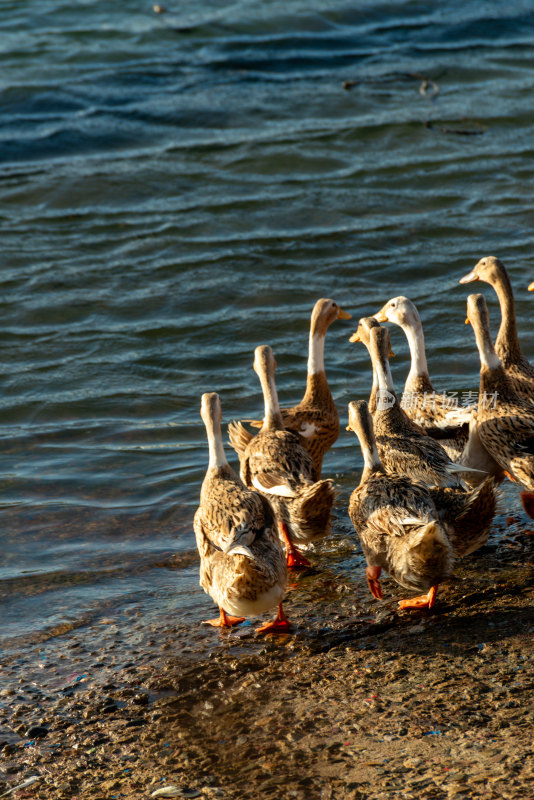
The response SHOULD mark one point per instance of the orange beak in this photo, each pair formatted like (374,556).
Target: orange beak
(343,314)
(469,278)
(531,287)
(355,337)
(467,321)
(381,316)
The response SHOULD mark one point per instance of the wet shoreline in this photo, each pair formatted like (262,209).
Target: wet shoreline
(360,701)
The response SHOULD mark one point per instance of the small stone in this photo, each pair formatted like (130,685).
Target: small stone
(36,732)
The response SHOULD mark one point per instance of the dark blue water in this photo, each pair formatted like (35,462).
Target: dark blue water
(178,188)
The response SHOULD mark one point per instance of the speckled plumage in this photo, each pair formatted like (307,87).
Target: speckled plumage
(403,447)
(230,515)
(518,369)
(420,400)
(467,514)
(315,419)
(505,426)
(396,518)
(275,462)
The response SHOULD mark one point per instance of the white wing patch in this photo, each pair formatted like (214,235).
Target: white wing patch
(281,490)
(307,429)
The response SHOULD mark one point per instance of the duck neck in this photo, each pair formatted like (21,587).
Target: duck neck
(507,342)
(217,456)
(372,396)
(317,389)
(419,368)
(385,387)
(272,419)
(371,460)
(490,363)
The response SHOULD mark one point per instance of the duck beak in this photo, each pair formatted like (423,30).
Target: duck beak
(343,314)
(467,321)
(355,337)
(531,287)
(391,354)
(381,316)
(348,428)
(470,277)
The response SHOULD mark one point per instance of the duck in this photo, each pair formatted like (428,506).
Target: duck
(362,335)
(491,270)
(505,419)
(403,445)
(242,562)
(315,419)
(397,523)
(275,463)
(420,400)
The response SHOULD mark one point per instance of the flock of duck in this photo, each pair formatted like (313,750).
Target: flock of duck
(428,491)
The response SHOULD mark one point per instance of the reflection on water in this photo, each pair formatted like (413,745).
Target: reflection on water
(179,188)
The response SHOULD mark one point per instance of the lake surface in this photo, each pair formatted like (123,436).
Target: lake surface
(176,189)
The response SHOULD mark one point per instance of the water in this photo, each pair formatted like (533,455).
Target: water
(178,188)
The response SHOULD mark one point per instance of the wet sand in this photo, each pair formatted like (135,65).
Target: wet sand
(360,701)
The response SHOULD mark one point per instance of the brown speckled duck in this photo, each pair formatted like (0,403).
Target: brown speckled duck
(276,464)
(362,335)
(397,522)
(505,420)
(315,418)
(420,399)
(517,367)
(242,563)
(402,445)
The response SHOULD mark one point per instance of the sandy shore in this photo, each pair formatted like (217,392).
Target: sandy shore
(361,701)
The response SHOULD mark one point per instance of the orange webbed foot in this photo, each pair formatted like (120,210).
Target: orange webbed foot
(375,587)
(418,603)
(224,620)
(296,560)
(278,625)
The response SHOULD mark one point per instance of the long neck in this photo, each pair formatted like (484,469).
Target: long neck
(374,390)
(215,445)
(272,417)
(489,360)
(383,374)
(419,368)
(361,423)
(371,459)
(317,389)
(315,353)
(507,342)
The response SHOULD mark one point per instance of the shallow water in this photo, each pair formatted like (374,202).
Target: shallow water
(178,188)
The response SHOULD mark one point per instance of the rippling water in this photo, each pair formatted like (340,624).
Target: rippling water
(178,188)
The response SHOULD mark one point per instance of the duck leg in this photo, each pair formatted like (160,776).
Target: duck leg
(224,620)
(278,625)
(373,574)
(527,499)
(295,560)
(424,601)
